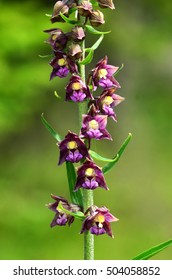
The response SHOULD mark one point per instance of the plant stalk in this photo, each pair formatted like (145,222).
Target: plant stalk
(87,194)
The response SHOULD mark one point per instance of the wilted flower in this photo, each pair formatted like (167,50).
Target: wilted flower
(98,222)
(62,65)
(102,74)
(72,149)
(78,34)
(93,126)
(85,8)
(97,18)
(76,90)
(106,4)
(90,176)
(107,100)
(58,39)
(59,7)
(61,218)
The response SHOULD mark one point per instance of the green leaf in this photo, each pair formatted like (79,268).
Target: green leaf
(48,15)
(56,94)
(94,31)
(79,215)
(76,197)
(98,157)
(88,58)
(66,19)
(50,129)
(109,165)
(153,251)
(122,66)
(44,56)
(97,43)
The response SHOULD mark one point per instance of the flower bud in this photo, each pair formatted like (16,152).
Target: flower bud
(59,7)
(75,51)
(85,8)
(78,34)
(97,18)
(106,4)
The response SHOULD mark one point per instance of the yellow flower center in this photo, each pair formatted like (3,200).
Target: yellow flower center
(107,100)
(99,219)
(76,86)
(102,73)
(93,124)
(54,37)
(61,62)
(89,172)
(72,145)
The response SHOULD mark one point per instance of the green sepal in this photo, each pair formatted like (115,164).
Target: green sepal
(97,43)
(88,58)
(48,15)
(153,251)
(76,197)
(98,157)
(78,215)
(94,31)
(50,129)
(109,165)
(66,19)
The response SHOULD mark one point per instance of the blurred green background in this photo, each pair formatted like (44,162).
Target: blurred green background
(140,184)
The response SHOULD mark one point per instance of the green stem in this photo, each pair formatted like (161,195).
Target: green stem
(87,194)
(88,237)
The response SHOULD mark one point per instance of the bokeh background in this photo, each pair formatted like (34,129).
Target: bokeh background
(140,184)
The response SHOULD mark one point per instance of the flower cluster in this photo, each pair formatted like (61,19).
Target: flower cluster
(74,148)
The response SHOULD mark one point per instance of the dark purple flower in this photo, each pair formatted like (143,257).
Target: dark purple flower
(61,218)
(62,65)
(93,126)
(76,90)
(98,222)
(90,176)
(72,149)
(107,100)
(57,39)
(102,75)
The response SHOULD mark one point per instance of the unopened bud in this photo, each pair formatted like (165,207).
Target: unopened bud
(75,51)
(106,4)
(78,34)
(97,18)
(85,8)
(59,7)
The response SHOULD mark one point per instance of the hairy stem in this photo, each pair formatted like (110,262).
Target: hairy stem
(87,194)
